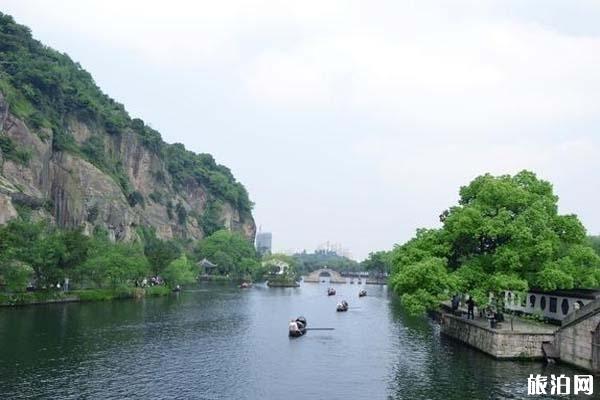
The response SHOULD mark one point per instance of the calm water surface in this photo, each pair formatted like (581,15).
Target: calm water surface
(220,342)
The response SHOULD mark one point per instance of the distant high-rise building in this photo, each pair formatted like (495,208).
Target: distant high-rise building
(263,243)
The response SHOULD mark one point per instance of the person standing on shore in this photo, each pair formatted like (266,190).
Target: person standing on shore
(470,308)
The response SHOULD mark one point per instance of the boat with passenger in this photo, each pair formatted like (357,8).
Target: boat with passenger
(297,327)
(342,306)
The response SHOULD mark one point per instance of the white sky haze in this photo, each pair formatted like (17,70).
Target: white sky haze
(353,121)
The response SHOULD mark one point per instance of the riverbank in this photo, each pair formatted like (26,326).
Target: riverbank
(517,339)
(113,349)
(282,282)
(83,295)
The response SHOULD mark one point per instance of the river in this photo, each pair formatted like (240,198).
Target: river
(221,342)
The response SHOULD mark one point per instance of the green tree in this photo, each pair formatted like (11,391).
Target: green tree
(179,272)
(114,265)
(16,276)
(227,250)
(160,253)
(378,263)
(594,242)
(271,266)
(225,262)
(505,234)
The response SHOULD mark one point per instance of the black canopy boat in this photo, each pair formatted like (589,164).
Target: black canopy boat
(342,306)
(297,327)
(331,292)
(362,293)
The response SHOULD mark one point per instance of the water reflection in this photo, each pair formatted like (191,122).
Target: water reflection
(219,342)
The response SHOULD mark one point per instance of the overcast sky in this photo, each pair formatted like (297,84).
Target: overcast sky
(353,121)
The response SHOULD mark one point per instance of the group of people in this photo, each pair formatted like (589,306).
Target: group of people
(154,281)
(470,306)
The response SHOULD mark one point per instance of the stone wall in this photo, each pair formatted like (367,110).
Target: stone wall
(575,337)
(504,344)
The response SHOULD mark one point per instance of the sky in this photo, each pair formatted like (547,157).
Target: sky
(353,122)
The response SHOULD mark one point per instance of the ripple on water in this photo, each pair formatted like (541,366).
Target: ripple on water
(219,342)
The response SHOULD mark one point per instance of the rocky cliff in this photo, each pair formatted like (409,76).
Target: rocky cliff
(71,154)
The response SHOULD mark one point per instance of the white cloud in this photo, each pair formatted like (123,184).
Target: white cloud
(378,109)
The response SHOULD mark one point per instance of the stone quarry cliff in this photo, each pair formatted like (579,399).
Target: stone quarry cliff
(70,154)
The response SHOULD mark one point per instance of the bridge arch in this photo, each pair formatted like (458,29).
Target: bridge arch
(334,276)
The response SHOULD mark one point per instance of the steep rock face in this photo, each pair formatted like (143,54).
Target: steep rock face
(72,192)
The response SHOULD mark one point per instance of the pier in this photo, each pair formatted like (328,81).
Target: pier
(576,341)
(521,339)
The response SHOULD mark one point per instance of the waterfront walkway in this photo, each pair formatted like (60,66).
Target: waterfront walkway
(518,324)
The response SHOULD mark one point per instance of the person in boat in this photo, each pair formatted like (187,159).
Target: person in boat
(342,306)
(296,328)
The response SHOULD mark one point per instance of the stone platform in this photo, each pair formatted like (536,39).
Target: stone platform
(521,340)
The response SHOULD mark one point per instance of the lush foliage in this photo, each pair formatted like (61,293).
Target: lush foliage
(160,253)
(210,221)
(38,253)
(271,265)
(594,241)
(51,254)
(47,89)
(378,263)
(113,264)
(505,234)
(185,166)
(308,262)
(180,272)
(232,252)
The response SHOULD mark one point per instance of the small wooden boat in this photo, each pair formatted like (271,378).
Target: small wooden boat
(352,281)
(362,293)
(297,327)
(331,292)
(342,306)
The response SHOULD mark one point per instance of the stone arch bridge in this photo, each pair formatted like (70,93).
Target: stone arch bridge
(334,276)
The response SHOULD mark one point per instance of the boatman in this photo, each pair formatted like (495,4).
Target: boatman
(293,326)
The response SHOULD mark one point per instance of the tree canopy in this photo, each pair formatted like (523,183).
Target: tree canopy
(180,271)
(504,234)
(377,263)
(308,262)
(232,252)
